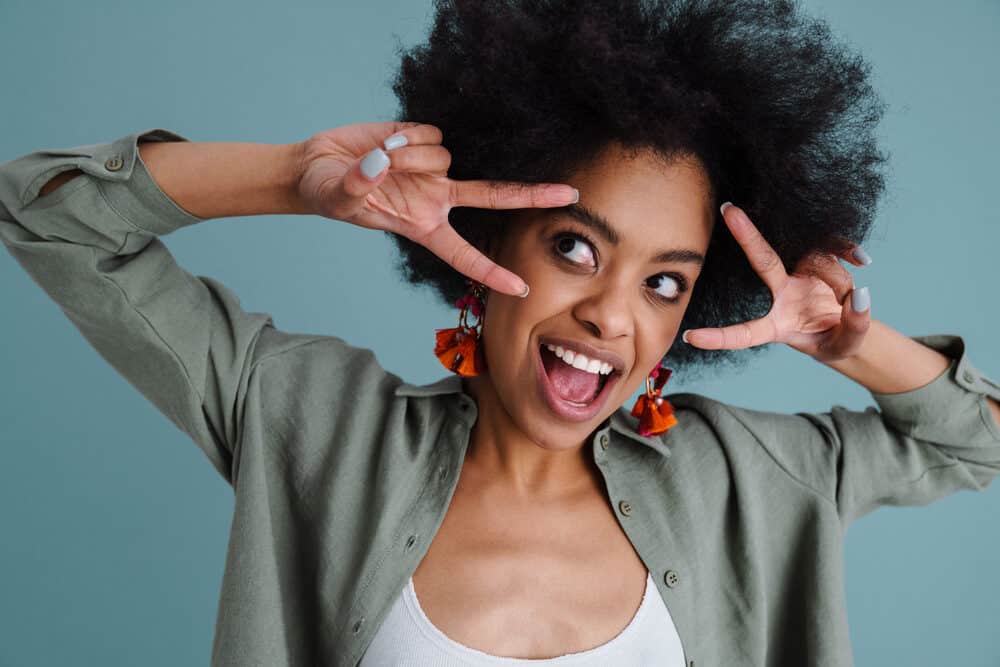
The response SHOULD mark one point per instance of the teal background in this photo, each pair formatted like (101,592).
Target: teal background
(115,526)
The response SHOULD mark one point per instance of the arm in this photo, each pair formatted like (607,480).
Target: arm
(84,221)
(917,446)
(937,430)
(220,179)
(890,363)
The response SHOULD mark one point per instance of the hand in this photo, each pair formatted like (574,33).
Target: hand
(413,195)
(811,309)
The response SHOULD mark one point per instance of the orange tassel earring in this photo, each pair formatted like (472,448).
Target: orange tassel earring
(458,349)
(655,413)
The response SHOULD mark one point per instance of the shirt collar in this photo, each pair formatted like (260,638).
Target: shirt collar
(450,384)
(620,422)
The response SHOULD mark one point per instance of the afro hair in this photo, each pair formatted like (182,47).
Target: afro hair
(780,115)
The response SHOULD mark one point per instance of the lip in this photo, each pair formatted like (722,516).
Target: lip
(558,405)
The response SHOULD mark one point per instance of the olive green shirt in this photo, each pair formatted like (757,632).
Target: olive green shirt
(342,472)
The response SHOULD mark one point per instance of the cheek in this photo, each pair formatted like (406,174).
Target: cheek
(506,330)
(653,339)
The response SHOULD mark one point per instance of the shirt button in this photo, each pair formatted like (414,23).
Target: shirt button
(114,163)
(357,626)
(410,542)
(443,473)
(671,579)
(604,441)
(625,507)
(969,377)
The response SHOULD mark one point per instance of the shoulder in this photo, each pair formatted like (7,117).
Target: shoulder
(710,427)
(321,373)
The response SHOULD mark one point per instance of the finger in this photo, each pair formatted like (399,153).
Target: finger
(364,177)
(828,268)
(735,337)
(856,255)
(430,159)
(763,258)
(507,194)
(412,134)
(855,319)
(449,245)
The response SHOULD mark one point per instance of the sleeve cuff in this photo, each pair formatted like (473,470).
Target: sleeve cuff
(122,178)
(957,396)
(131,190)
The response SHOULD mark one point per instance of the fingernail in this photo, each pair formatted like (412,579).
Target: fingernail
(374,163)
(577,196)
(395,141)
(860,300)
(723,208)
(525,292)
(860,255)
(684,336)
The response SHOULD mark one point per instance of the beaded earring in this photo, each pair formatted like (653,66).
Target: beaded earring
(655,413)
(458,348)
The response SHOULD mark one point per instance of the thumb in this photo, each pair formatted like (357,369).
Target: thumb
(366,174)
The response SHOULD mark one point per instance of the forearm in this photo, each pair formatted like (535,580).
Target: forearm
(890,362)
(221,179)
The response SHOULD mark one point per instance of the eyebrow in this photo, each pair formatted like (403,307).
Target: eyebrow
(600,224)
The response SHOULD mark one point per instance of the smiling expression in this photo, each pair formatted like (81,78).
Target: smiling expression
(610,278)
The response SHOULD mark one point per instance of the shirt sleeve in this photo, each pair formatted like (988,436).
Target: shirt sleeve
(183,341)
(914,448)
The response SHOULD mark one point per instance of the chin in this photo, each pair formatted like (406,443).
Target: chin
(553,433)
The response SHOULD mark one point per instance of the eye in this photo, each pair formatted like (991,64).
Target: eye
(575,249)
(667,286)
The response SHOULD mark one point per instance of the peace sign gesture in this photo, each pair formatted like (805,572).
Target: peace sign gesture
(393,176)
(813,309)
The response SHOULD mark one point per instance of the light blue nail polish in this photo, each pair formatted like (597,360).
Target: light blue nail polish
(860,255)
(374,163)
(395,141)
(860,300)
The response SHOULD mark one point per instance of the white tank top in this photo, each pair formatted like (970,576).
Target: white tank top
(407,637)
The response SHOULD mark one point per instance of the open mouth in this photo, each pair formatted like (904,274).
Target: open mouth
(574,386)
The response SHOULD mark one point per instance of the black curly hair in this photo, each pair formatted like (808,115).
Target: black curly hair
(781,117)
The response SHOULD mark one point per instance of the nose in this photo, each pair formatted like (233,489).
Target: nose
(606,311)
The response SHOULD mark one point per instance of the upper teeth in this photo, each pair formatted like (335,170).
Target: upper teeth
(577,360)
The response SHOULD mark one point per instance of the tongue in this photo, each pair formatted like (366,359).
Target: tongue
(570,383)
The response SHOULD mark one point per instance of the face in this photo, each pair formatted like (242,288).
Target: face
(610,279)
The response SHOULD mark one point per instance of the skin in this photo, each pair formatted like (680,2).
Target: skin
(518,442)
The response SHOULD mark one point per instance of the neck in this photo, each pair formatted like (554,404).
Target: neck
(504,457)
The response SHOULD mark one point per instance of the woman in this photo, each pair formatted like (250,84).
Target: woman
(518,511)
